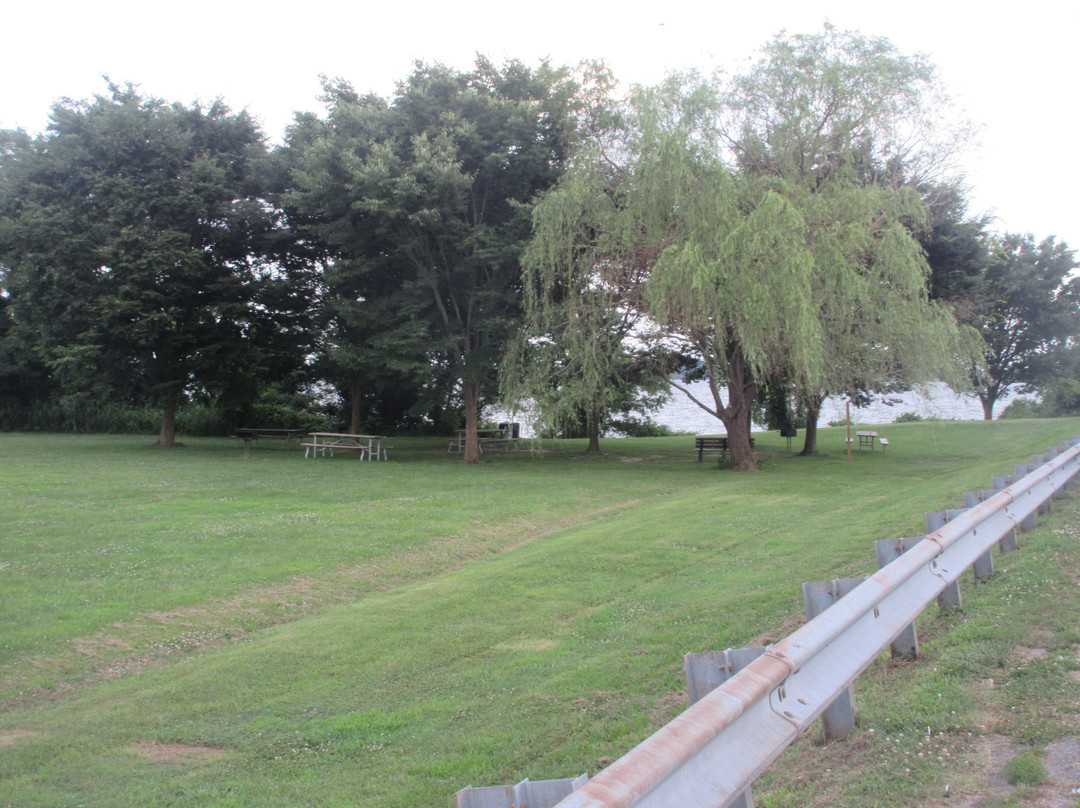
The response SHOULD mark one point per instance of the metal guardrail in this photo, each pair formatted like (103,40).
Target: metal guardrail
(708,755)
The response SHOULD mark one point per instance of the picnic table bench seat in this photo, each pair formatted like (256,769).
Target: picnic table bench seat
(326,447)
(260,433)
(247,435)
(867,438)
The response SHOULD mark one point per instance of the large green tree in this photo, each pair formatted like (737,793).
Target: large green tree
(714,266)
(838,124)
(141,255)
(428,196)
(375,345)
(585,353)
(1026,304)
(775,220)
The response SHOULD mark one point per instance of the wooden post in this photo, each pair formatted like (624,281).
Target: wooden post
(848,419)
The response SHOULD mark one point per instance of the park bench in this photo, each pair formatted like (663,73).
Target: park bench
(713,444)
(249,434)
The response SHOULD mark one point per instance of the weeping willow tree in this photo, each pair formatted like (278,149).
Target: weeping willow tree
(880,330)
(769,222)
(847,128)
(728,286)
(650,230)
(586,350)
(731,257)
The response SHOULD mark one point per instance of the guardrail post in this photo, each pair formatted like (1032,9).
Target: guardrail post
(984,564)
(906,644)
(526,794)
(838,720)
(1023,469)
(973,498)
(950,596)
(710,669)
(1028,523)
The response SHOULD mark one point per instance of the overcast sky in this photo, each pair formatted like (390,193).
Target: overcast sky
(1012,70)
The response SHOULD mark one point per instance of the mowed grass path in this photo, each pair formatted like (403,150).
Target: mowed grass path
(189,627)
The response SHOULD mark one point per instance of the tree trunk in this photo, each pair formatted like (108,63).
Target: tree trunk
(167,435)
(593,428)
(988,400)
(472,414)
(736,415)
(742,453)
(812,405)
(355,383)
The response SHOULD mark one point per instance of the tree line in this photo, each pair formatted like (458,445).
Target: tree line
(524,234)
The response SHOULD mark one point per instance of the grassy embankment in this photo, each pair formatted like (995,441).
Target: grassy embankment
(188,627)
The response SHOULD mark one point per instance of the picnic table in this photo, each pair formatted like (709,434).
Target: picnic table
(369,446)
(505,436)
(867,438)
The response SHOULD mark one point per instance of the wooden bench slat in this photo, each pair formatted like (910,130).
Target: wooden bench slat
(717,443)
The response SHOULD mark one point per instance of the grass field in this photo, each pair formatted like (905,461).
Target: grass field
(192,628)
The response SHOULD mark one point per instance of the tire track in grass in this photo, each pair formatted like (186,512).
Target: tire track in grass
(159,638)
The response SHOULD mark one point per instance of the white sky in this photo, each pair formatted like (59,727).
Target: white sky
(1011,67)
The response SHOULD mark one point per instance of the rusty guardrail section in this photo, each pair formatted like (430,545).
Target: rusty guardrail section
(707,756)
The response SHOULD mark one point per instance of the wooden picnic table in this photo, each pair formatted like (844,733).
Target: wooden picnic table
(502,436)
(867,438)
(369,446)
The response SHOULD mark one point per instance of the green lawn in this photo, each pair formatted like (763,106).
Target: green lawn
(190,627)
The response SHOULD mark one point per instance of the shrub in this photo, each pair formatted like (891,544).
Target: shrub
(1022,408)
(907,418)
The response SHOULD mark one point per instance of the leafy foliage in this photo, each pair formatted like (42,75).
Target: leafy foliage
(1025,304)
(423,204)
(142,257)
(838,124)
(769,222)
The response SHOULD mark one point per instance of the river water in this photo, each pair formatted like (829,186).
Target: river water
(683,415)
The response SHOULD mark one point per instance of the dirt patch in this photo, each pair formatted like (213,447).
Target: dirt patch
(527,645)
(988,786)
(774,636)
(1063,766)
(668,707)
(16,736)
(1021,656)
(177,752)
(987,773)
